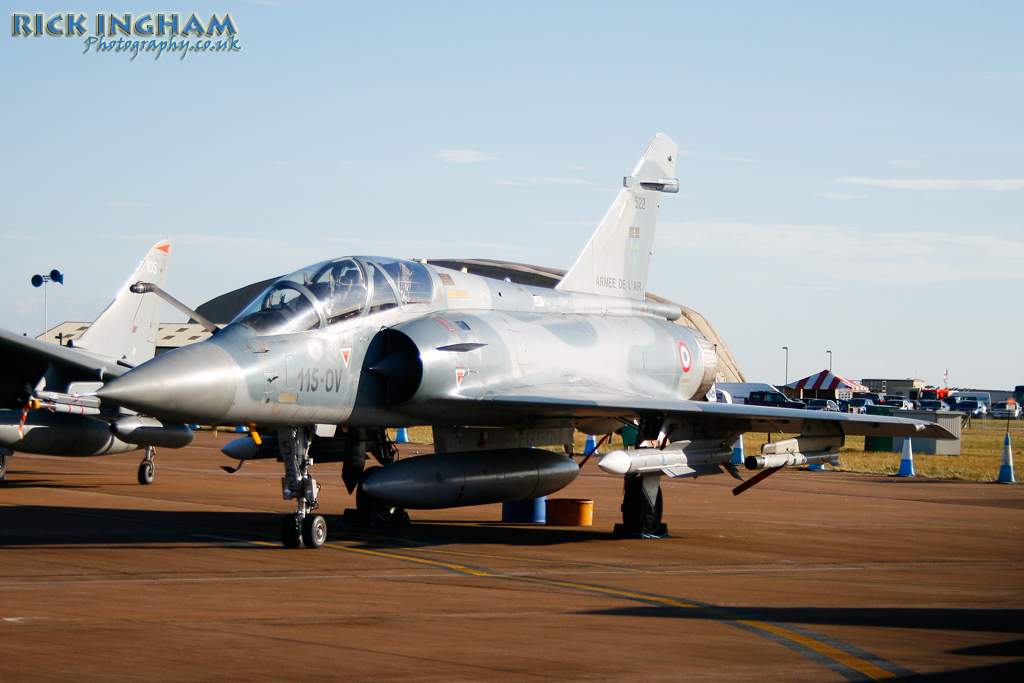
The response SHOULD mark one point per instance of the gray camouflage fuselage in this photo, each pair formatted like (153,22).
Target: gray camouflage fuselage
(390,367)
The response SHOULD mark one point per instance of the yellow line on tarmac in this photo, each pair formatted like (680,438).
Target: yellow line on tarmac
(857,664)
(845,658)
(406,558)
(511,558)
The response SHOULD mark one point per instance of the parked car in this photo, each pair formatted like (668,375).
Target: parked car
(1006,410)
(897,402)
(774,399)
(823,404)
(859,405)
(935,405)
(974,408)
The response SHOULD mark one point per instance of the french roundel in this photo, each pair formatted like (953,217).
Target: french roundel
(684,357)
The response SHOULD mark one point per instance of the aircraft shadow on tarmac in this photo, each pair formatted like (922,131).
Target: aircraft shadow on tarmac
(46,481)
(31,525)
(1009,621)
(936,619)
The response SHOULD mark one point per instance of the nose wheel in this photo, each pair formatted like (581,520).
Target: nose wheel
(291,531)
(311,531)
(314,531)
(147,468)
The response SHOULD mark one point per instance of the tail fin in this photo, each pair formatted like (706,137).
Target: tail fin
(127,329)
(616,260)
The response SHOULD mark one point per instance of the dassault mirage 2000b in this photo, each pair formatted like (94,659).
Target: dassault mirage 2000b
(334,353)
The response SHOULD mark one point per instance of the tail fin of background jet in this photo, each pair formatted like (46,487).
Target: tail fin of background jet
(127,329)
(616,260)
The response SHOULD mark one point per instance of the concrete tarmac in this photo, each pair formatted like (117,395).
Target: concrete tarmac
(809,576)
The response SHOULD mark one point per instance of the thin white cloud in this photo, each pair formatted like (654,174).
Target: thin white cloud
(425,245)
(709,155)
(843,254)
(1003,185)
(839,196)
(464,156)
(235,241)
(545,181)
(1004,78)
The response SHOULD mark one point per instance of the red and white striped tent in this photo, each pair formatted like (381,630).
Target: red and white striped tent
(822,385)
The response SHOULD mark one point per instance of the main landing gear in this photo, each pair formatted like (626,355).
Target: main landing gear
(371,511)
(3,465)
(368,510)
(642,507)
(297,484)
(147,468)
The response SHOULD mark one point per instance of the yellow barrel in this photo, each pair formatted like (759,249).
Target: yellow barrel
(570,512)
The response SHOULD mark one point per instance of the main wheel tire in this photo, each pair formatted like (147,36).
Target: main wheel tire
(314,531)
(147,471)
(291,534)
(3,465)
(371,510)
(638,516)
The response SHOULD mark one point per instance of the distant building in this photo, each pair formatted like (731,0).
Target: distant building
(910,388)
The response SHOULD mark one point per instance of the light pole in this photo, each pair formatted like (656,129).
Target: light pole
(829,360)
(786,349)
(40,281)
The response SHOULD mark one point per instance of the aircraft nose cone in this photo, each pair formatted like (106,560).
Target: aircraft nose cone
(192,384)
(616,462)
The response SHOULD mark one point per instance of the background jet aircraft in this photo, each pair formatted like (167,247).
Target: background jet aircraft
(47,389)
(334,353)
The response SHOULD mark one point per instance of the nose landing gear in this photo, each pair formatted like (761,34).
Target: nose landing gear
(297,484)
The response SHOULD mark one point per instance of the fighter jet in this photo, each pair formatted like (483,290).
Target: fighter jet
(47,389)
(329,356)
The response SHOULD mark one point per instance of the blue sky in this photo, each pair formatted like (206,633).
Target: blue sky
(852,174)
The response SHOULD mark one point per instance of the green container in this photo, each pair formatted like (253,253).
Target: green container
(629,435)
(881,444)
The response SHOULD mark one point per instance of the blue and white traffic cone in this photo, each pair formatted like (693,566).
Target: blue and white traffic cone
(737,451)
(907,461)
(591,444)
(1006,469)
(402,436)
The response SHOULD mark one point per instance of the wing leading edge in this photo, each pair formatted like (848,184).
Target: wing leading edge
(558,402)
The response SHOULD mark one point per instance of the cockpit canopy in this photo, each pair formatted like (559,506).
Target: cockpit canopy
(334,291)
